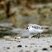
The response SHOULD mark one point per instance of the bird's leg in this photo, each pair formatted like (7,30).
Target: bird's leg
(33,35)
(38,35)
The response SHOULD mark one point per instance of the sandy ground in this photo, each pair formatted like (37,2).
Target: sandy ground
(26,45)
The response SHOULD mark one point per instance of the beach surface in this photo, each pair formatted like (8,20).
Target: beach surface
(43,44)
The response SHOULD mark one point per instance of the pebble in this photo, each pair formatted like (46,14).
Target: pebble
(26,46)
(50,46)
(19,46)
(8,47)
(44,49)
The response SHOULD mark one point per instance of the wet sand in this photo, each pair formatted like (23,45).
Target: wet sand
(43,44)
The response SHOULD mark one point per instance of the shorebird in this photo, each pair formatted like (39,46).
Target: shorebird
(37,29)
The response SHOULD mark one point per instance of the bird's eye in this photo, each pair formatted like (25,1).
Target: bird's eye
(27,28)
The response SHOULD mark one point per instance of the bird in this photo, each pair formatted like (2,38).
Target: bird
(37,29)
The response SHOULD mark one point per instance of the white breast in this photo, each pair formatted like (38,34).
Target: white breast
(33,30)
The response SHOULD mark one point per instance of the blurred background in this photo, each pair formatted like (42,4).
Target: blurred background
(19,13)
(22,12)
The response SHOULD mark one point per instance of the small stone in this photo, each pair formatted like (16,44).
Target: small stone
(19,46)
(8,47)
(26,46)
(44,49)
(50,46)
(18,41)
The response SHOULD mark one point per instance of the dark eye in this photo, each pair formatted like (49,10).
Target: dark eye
(27,28)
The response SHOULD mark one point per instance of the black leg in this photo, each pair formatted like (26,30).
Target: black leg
(38,35)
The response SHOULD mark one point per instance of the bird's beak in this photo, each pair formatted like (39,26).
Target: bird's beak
(27,28)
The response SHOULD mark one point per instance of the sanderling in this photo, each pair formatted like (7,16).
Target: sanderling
(36,29)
